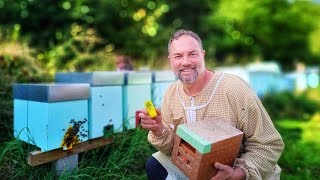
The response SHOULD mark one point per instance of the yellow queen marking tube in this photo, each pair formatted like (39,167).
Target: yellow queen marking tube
(150,108)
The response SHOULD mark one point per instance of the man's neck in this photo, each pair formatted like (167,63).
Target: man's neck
(199,84)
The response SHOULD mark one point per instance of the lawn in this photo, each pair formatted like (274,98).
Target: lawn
(300,159)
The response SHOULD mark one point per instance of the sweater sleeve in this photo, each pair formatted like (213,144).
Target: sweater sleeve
(262,143)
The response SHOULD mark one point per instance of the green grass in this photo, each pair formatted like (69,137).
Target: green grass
(124,159)
(300,159)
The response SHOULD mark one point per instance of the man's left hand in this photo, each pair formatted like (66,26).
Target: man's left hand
(228,172)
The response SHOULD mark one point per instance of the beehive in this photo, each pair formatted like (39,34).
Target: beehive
(161,81)
(105,102)
(198,145)
(44,112)
(136,92)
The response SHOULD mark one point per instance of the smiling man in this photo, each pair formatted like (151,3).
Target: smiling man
(201,94)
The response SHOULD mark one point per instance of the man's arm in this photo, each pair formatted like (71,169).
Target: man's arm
(160,135)
(263,144)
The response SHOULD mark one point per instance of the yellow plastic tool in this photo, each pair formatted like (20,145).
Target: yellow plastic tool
(150,108)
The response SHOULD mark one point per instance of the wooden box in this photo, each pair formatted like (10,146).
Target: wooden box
(198,145)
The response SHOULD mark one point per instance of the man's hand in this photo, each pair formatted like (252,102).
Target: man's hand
(155,125)
(227,172)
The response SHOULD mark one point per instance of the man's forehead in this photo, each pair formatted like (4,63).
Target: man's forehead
(185,43)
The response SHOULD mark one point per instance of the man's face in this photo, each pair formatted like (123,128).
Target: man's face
(186,58)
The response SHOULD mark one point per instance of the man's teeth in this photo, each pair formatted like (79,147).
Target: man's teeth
(187,70)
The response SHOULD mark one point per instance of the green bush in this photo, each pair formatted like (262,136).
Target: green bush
(17,65)
(290,105)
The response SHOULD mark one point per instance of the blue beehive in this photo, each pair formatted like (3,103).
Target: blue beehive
(105,102)
(161,81)
(43,113)
(285,83)
(264,77)
(135,93)
(312,74)
(20,111)
(264,82)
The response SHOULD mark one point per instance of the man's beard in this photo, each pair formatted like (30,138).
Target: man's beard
(189,78)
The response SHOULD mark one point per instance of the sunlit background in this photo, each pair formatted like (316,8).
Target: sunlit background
(272,44)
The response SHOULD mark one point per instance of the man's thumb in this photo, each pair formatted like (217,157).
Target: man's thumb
(219,166)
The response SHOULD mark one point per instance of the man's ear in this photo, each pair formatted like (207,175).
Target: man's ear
(204,53)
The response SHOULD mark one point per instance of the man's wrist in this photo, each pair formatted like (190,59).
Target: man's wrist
(238,174)
(159,132)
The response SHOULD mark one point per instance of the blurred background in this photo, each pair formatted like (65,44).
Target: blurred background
(41,37)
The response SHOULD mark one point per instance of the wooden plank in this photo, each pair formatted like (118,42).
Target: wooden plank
(37,157)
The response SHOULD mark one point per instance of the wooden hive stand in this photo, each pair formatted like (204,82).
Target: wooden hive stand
(66,160)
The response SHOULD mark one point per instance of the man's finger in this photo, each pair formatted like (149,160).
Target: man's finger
(158,111)
(144,116)
(148,121)
(219,166)
(150,127)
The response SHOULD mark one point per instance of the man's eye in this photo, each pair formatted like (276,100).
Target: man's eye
(194,54)
(177,56)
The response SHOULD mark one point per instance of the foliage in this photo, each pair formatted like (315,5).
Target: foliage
(17,65)
(290,105)
(233,31)
(299,159)
(272,29)
(44,22)
(84,51)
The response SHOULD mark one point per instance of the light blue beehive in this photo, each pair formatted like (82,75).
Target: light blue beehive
(264,77)
(161,81)
(105,103)
(20,111)
(285,83)
(135,93)
(312,74)
(47,112)
(263,82)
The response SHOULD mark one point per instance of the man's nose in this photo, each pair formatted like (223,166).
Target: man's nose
(185,60)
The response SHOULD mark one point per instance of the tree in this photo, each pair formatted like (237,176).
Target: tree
(275,29)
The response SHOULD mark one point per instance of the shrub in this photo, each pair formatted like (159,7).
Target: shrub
(290,105)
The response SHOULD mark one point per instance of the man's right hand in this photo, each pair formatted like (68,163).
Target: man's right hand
(155,125)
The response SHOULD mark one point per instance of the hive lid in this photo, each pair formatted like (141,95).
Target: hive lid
(202,134)
(139,77)
(97,78)
(163,76)
(51,92)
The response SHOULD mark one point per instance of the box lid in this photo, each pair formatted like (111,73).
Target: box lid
(202,134)
(163,76)
(20,91)
(97,78)
(51,92)
(133,77)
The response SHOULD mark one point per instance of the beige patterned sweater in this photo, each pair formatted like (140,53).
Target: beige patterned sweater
(236,103)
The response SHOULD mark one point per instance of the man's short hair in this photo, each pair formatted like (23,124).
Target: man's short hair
(182,32)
